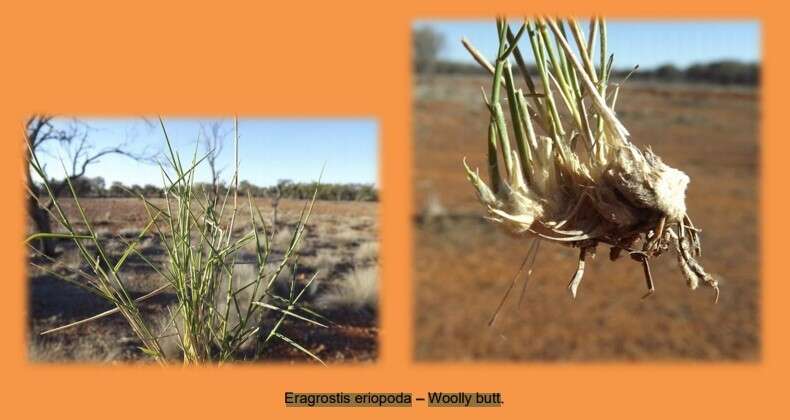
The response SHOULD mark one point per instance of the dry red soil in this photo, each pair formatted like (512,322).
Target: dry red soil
(335,232)
(463,264)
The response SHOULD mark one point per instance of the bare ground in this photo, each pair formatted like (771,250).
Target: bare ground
(341,239)
(464,264)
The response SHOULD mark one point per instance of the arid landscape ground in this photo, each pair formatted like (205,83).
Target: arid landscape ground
(341,244)
(463,264)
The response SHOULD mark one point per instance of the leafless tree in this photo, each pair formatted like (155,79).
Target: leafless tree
(426,45)
(213,136)
(42,132)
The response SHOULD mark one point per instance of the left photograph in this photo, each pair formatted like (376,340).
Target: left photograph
(171,240)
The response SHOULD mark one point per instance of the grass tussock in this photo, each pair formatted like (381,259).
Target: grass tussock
(367,252)
(98,350)
(357,291)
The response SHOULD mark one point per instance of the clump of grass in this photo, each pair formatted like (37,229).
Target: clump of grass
(347,235)
(564,169)
(217,313)
(433,209)
(367,252)
(326,259)
(356,291)
(282,237)
(98,349)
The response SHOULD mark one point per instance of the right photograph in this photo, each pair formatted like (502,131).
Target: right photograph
(586,190)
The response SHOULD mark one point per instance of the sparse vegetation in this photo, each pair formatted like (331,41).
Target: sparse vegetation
(98,349)
(96,188)
(367,251)
(358,291)
(219,260)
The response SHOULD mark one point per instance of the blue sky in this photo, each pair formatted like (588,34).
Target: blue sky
(269,149)
(648,43)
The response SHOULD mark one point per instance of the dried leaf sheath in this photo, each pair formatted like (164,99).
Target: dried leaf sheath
(574,177)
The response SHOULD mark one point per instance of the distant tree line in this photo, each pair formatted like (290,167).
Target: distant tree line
(97,187)
(427,44)
(726,72)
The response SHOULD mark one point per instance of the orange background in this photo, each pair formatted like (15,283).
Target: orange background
(338,58)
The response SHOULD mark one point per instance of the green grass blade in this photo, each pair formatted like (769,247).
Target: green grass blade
(299,347)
